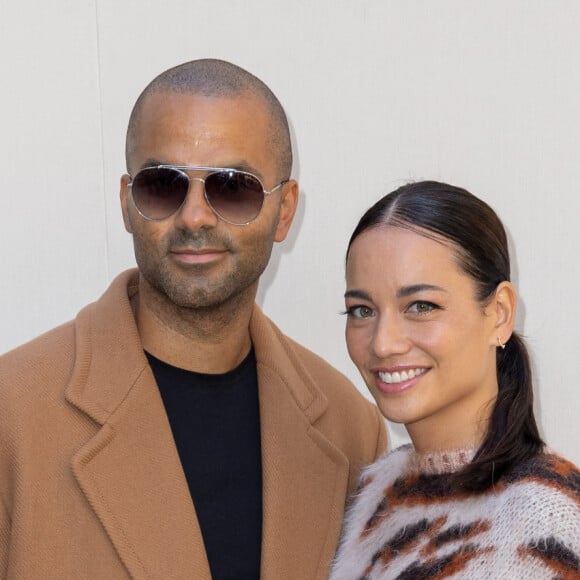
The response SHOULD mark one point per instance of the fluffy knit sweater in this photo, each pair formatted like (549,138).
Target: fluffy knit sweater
(405,523)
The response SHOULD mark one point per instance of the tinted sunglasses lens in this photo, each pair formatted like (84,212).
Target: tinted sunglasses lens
(236,196)
(159,192)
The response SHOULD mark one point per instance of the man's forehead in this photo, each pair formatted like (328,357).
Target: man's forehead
(160,102)
(190,114)
(198,117)
(187,129)
(168,119)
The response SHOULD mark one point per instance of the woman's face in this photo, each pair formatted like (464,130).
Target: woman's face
(422,342)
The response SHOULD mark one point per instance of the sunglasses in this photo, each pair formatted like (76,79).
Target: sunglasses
(234,196)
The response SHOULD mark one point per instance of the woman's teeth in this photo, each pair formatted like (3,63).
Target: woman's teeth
(399,377)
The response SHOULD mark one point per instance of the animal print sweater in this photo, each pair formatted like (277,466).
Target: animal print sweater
(404,523)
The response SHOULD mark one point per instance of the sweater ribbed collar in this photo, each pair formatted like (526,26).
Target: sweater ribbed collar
(437,462)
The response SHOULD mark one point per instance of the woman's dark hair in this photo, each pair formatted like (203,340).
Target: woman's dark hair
(482,252)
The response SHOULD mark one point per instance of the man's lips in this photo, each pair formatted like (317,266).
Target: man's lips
(194,256)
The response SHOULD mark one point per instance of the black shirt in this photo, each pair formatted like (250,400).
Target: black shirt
(215,421)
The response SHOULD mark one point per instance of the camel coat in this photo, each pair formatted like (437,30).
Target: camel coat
(91,485)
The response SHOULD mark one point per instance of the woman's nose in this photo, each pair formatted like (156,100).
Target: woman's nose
(389,337)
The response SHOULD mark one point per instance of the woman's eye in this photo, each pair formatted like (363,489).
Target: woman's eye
(422,307)
(359,312)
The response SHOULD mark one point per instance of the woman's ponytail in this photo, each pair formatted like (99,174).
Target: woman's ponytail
(513,435)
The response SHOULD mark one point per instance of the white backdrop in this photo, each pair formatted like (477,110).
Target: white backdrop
(481,94)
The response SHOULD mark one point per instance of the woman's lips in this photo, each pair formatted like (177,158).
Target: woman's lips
(400,379)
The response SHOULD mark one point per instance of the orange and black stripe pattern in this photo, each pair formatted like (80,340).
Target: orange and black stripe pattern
(416,527)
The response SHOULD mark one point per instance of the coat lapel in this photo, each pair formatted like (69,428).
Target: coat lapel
(130,470)
(304,476)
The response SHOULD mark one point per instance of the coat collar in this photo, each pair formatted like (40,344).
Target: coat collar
(304,474)
(130,470)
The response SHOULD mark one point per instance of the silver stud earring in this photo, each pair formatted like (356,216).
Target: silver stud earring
(500,343)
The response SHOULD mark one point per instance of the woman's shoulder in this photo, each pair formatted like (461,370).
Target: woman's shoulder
(527,522)
(539,505)
(542,494)
(548,471)
(373,481)
(386,468)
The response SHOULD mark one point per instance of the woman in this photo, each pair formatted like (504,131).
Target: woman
(430,317)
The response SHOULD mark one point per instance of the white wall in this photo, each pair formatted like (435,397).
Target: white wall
(480,94)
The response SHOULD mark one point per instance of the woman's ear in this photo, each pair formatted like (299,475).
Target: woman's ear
(503,308)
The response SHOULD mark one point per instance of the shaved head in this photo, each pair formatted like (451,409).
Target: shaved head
(217,79)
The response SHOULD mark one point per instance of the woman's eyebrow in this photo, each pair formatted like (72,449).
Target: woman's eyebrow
(357,294)
(405,291)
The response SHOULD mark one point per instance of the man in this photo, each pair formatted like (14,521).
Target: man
(171,431)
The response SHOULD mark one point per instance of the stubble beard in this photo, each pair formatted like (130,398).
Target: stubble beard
(195,288)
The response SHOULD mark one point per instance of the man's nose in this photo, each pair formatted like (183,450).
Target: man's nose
(195,213)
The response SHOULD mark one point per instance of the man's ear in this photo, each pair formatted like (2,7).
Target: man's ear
(124,196)
(503,308)
(288,204)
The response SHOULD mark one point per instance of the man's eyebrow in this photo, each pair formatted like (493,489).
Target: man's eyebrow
(357,294)
(243,165)
(413,289)
(150,163)
(240,166)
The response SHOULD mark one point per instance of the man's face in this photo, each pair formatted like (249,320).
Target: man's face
(194,258)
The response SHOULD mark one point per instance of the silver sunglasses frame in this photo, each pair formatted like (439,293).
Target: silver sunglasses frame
(210,171)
